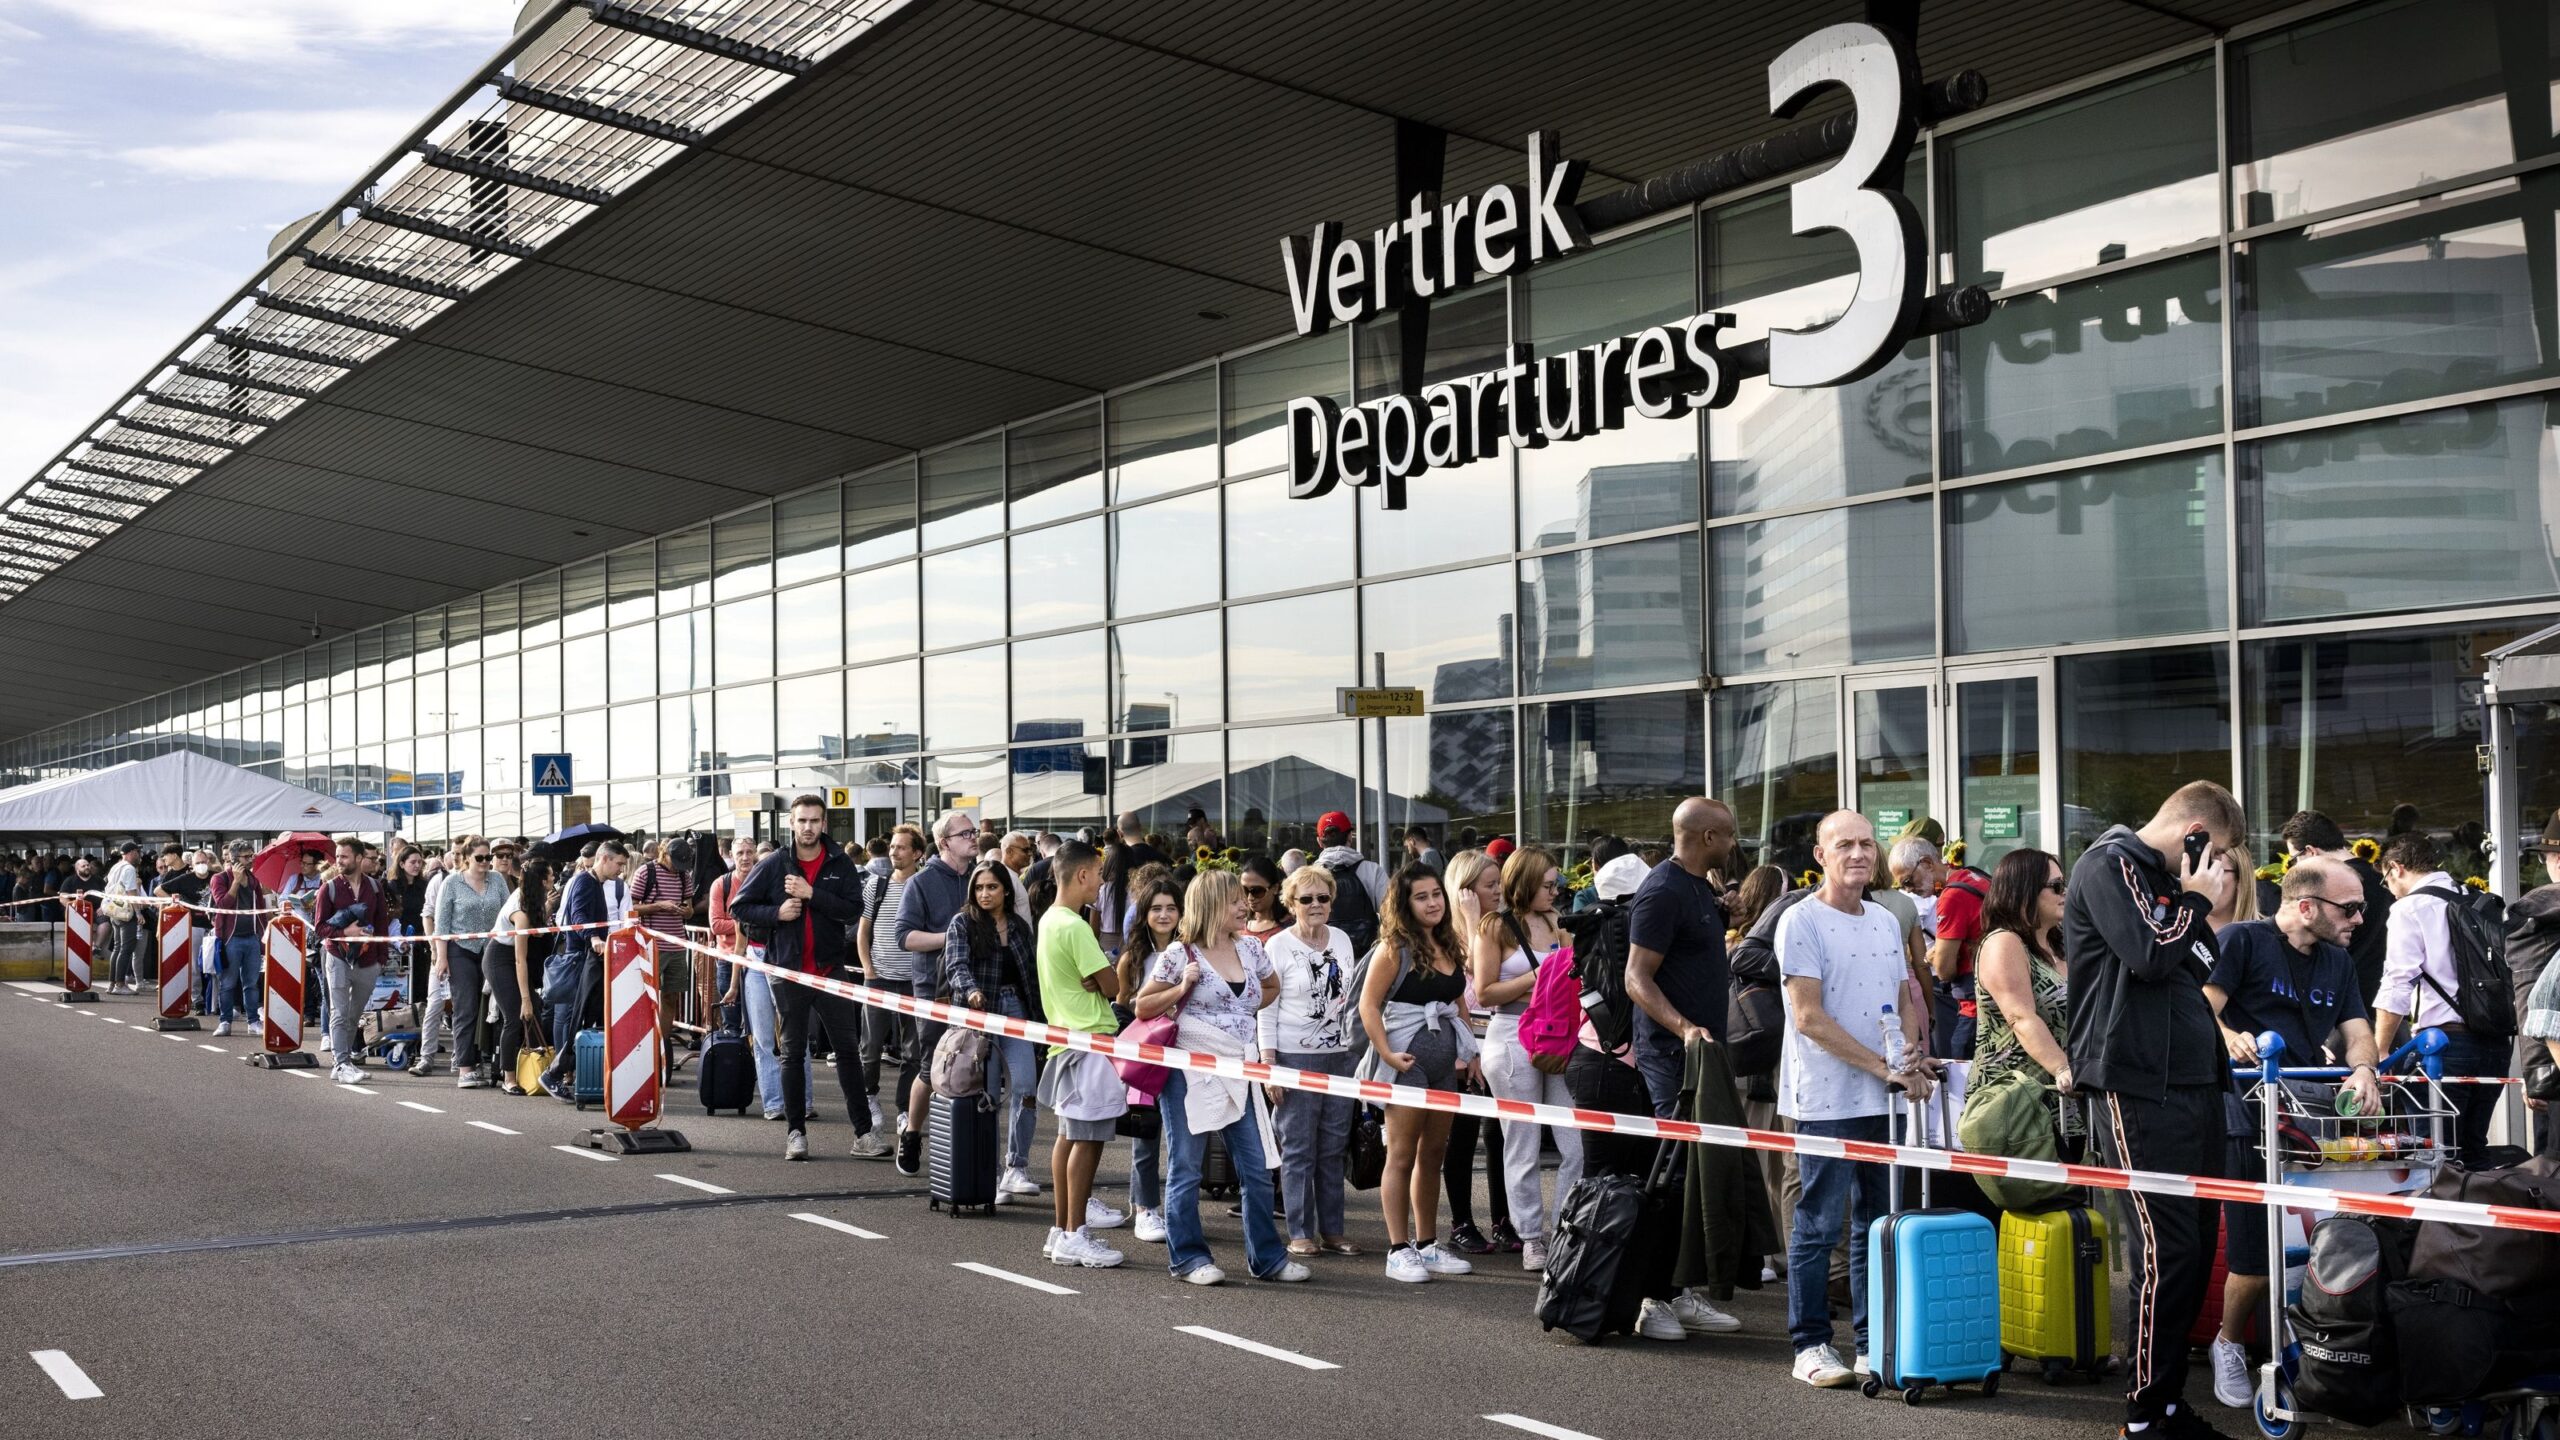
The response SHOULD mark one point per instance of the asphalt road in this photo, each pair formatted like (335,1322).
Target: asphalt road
(227,1251)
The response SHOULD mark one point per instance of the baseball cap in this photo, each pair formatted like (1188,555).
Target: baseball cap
(1333,822)
(1499,848)
(1620,877)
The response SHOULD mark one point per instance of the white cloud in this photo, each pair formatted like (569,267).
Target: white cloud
(282,31)
(319,151)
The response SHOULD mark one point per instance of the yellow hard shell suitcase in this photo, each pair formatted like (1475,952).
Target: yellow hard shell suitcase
(2053,1291)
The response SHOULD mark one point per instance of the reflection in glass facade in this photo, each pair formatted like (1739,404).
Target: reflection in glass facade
(2272,450)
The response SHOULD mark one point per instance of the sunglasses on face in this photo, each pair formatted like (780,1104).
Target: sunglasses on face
(2352,909)
(1257,891)
(1306,900)
(481,859)
(2055,887)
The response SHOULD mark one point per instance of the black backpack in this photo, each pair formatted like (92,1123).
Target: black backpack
(1354,913)
(1756,1020)
(2350,1366)
(1600,964)
(2485,990)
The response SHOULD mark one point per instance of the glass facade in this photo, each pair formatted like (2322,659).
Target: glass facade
(2253,462)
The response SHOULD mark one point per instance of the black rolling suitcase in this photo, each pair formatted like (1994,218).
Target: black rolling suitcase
(960,1153)
(728,1074)
(1591,1287)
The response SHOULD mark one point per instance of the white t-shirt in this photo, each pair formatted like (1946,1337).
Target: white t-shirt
(1858,959)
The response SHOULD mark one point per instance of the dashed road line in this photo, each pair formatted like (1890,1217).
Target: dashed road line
(583,1153)
(216,1049)
(1271,1352)
(421,1109)
(492,1129)
(1540,1427)
(1025,1281)
(175,1039)
(856,1231)
(351,1089)
(66,1372)
(705,1186)
(304,1074)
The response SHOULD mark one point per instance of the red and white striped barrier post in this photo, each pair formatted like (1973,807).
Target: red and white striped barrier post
(284,939)
(177,970)
(635,1047)
(79,942)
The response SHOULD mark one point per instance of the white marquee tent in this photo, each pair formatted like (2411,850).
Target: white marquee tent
(181,793)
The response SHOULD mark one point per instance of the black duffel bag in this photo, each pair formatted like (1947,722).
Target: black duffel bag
(2351,1366)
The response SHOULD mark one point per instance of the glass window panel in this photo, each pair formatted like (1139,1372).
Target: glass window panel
(541,681)
(1164,437)
(1450,634)
(1057,577)
(1616,615)
(631,662)
(976,782)
(880,515)
(743,719)
(1889,762)
(684,734)
(1645,475)
(502,758)
(1282,778)
(582,671)
(880,613)
(2404,306)
(399,716)
(1449,515)
(581,598)
(462,690)
(1778,766)
(1160,778)
(432,713)
(582,736)
(1773,448)
(542,610)
(2382,98)
(634,739)
(501,617)
(684,568)
(1838,587)
(809,628)
(968,690)
(684,650)
(964,595)
(2106,554)
(368,663)
(807,532)
(500,698)
(2109,364)
(1165,673)
(632,807)
(631,580)
(368,717)
(1276,543)
(743,640)
(1260,386)
(689,803)
(1054,466)
(963,492)
(1999,763)
(1059,688)
(1164,556)
(342,717)
(2449,507)
(1286,657)
(883,709)
(809,718)
(2134,726)
(2105,176)
(742,553)
(1449,771)
(1608,767)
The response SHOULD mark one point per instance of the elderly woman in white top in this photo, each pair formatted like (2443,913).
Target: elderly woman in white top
(1220,980)
(1308,1028)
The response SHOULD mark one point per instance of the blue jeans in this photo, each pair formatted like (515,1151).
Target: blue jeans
(1662,1062)
(239,959)
(1021,1060)
(1146,1172)
(1829,1185)
(2474,1106)
(1264,1251)
(765,1024)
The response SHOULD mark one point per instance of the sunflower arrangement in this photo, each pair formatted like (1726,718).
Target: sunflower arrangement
(2476,882)
(1579,876)
(2367,849)
(1955,852)
(1808,879)
(1205,858)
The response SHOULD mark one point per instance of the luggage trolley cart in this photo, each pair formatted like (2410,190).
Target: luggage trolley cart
(2301,1133)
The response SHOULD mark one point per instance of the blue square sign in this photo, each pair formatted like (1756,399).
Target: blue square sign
(552,775)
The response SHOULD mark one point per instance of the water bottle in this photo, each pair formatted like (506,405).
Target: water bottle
(1892,1028)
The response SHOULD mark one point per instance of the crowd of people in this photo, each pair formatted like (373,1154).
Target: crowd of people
(2124,987)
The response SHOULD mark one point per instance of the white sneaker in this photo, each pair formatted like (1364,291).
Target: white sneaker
(879,1119)
(1205,1275)
(221,1028)
(1098,1216)
(2231,1374)
(1654,1321)
(1862,1369)
(1821,1367)
(1533,1256)
(1699,1317)
(1049,1247)
(1149,1227)
(1092,1254)
(1441,1262)
(1014,1182)
(327,1045)
(257,1027)
(869,1146)
(346,1074)
(1406,1264)
(1289,1274)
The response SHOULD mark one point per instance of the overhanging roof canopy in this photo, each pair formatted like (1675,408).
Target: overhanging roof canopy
(967,212)
(178,793)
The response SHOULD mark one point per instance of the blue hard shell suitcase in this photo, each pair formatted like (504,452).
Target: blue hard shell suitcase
(588,1084)
(1933,1300)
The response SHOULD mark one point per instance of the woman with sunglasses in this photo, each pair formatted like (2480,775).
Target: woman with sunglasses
(508,960)
(1509,946)
(467,909)
(1307,1028)
(1154,926)
(995,973)
(1265,916)
(2018,975)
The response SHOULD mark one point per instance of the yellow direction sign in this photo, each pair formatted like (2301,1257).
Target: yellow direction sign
(1378,702)
(839,798)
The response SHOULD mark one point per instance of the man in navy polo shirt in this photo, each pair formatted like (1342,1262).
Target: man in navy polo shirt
(2290,973)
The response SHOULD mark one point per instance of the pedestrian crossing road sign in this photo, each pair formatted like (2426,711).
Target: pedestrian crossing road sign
(551,775)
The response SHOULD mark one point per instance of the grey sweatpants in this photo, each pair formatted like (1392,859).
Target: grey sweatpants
(350,990)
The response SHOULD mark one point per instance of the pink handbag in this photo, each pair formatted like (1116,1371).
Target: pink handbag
(1142,1077)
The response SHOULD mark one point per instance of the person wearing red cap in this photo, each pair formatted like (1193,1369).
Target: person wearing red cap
(1351,871)
(1499,849)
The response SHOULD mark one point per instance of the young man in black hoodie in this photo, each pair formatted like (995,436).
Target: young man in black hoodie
(807,895)
(2147,1054)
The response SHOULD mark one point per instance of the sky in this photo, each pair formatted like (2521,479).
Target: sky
(149,149)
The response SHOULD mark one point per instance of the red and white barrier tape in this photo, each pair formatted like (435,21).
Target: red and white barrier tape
(2149,1182)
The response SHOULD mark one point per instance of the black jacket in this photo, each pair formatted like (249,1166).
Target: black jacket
(2138,949)
(2533,938)
(835,902)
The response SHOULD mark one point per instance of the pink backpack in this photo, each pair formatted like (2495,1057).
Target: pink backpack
(1552,1024)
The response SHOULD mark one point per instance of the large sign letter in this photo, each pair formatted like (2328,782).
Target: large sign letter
(1860,196)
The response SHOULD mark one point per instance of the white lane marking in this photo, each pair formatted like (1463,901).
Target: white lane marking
(492,1129)
(856,1231)
(352,1088)
(421,1109)
(1540,1427)
(705,1186)
(304,1074)
(110,1019)
(179,1039)
(66,1372)
(583,1153)
(1272,1352)
(1025,1281)
(34,987)
(216,1049)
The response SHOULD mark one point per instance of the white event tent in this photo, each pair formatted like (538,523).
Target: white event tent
(180,793)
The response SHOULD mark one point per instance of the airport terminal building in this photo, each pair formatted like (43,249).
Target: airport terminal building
(896,399)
